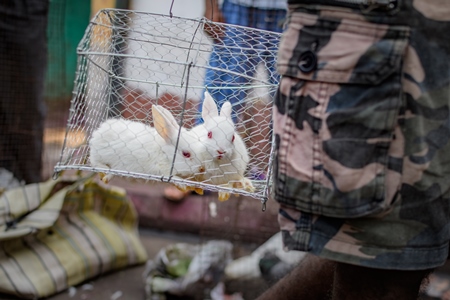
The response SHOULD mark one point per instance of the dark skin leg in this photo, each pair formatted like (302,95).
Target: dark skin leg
(321,279)
(311,279)
(354,282)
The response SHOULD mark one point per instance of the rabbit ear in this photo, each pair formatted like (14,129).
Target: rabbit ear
(225,110)
(209,108)
(164,122)
(168,116)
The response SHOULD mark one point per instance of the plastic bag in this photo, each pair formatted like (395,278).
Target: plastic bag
(186,270)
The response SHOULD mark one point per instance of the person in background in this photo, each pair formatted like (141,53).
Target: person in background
(235,53)
(23,59)
(362,128)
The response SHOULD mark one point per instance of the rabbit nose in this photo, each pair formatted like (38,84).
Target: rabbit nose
(221,152)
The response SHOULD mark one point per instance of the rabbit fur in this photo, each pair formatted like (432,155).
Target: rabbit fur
(225,156)
(132,146)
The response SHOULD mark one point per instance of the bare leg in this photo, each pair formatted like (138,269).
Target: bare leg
(311,279)
(321,279)
(354,282)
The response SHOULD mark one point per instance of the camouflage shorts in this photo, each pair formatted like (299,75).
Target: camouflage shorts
(362,128)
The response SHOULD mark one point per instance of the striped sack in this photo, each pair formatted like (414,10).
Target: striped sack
(57,234)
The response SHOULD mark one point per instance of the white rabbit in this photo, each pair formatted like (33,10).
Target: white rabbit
(132,146)
(225,156)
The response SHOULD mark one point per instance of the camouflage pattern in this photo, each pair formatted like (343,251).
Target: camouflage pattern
(362,160)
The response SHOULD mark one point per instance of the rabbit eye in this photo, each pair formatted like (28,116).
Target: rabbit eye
(186,154)
(232,139)
(210,135)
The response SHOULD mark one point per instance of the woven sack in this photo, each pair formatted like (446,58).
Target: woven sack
(57,234)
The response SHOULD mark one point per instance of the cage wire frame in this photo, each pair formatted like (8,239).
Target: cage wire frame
(117,76)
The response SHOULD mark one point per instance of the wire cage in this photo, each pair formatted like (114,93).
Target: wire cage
(130,63)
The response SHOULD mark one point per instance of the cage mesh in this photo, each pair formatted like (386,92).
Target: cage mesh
(129,61)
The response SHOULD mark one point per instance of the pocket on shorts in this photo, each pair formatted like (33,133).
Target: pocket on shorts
(336,113)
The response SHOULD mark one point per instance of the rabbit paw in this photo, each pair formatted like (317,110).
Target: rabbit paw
(186,189)
(244,184)
(248,185)
(105,178)
(236,184)
(195,189)
(223,196)
(183,188)
(198,191)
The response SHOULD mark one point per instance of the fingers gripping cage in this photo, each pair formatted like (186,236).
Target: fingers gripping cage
(129,62)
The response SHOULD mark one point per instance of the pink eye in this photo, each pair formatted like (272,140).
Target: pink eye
(232,139)
(186,154)
(209,135)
